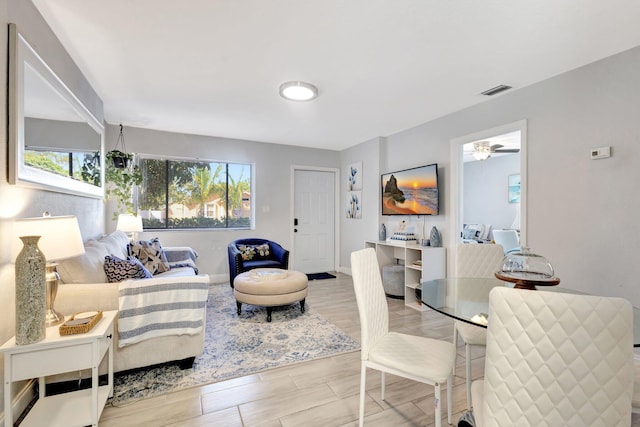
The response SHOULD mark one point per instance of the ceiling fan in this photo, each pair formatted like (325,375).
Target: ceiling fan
(482,150)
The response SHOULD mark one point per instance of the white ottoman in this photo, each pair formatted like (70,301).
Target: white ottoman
(270,287)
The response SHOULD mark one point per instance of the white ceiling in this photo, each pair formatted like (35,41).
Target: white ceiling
(213,67)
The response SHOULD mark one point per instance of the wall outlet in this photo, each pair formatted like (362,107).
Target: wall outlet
(600,153)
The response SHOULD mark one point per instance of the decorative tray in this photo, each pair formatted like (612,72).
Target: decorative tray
(80,323)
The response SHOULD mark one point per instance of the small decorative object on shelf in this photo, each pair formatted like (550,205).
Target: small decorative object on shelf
(30,292)
(382,234)
(404,237)
(435,239)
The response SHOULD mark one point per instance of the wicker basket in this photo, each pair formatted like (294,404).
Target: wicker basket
(66,329)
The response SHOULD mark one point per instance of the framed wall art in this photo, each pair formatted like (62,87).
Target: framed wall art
(354,176)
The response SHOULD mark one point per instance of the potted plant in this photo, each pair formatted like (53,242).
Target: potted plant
(119,159)
(119,184)
(120,176)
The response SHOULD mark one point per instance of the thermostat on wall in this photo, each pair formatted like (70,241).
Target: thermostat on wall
(600,153)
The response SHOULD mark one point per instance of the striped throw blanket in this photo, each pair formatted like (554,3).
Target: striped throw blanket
(150,308)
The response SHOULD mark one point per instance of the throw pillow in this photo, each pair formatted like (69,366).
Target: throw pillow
(250,252)
(118,269)
(150,254)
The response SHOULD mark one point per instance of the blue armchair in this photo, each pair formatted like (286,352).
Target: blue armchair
(256,255)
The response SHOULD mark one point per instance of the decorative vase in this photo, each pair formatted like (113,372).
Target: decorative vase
(435,239)
(30,292)
(382,234)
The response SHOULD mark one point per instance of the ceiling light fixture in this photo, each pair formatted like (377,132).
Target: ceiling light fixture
(481,155)
(298,91)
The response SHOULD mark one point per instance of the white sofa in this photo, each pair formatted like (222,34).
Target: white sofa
(84,287)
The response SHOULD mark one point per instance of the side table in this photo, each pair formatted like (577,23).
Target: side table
(58,354)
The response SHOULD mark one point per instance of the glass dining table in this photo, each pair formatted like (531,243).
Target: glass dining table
(467,299)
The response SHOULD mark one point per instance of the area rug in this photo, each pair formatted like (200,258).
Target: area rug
(240,345)
(320,276)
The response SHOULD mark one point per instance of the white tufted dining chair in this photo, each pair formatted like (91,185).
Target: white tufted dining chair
(508,239)
(420,359)
(474,261)
(556,359)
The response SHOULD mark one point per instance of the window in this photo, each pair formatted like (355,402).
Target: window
(194,194)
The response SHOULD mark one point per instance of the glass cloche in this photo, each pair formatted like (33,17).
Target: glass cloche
(527,270)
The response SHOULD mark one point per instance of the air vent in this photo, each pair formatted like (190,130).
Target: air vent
(496,90)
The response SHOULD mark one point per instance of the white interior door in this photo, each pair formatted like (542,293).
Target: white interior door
(314,221)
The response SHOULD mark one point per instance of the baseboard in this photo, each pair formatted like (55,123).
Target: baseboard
(345,270)
(22,400)
(218,278)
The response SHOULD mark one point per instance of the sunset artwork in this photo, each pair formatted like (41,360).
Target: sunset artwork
(411,192)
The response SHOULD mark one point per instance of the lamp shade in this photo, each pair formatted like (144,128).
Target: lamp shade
(129,223)
(60,236)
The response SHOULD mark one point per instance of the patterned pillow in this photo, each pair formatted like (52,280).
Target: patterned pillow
(118,269)
(250,252)
(150,254)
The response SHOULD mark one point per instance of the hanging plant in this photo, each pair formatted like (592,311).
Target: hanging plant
(121,175)
(119,159)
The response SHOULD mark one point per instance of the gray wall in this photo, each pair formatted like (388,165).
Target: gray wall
(582,213)
(19,202)
(352,230)
(272,176)
(485,191)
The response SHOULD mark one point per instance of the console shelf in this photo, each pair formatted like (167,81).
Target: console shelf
(420,263)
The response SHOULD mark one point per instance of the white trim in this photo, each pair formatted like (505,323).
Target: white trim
(455,196)
(336,233)
(21,55)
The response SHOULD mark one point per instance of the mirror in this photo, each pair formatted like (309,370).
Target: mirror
(55,143)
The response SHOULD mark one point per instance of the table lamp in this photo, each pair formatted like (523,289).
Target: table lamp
(130,224)
(60,238)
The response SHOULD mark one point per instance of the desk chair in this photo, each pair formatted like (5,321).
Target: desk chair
(508,239)
(556,359)
(474,261)
(418,358)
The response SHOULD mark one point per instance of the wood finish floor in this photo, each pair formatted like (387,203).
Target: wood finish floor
(322,392)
